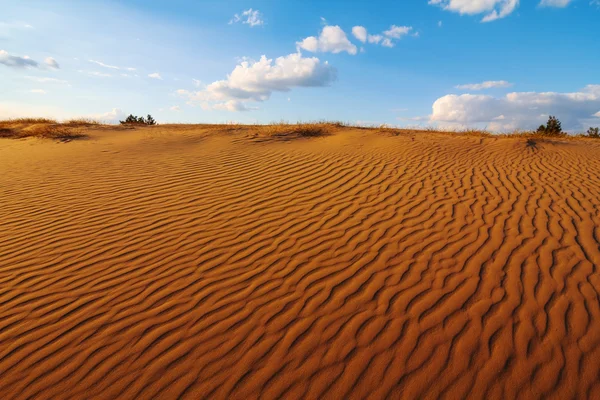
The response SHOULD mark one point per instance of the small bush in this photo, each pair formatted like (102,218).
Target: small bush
(552,128)
(133,120)
(594,133)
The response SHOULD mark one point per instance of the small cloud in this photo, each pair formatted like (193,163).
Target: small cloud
(197,82)
(396,32)
(386,38)
(175,108)
(27,26)
(484,85)
(155,75)
(51,62)
(111,117)
(360,32)
(37,91)
(440,24)
(332,39)
(250,17)
(17,61)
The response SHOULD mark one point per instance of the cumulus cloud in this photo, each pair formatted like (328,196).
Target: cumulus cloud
(51,62)
(385,39)
(360,32)
(332,39)
(250,17)
(484,85)
(110,117)
(519,110)
(17,61)
(255,81)
(155,75)
(492,9)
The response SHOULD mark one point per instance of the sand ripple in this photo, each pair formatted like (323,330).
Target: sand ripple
(188,265)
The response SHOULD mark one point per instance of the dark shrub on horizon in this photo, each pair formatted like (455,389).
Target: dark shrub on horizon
(133,120)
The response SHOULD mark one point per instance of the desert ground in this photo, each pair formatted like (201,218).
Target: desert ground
(228,262)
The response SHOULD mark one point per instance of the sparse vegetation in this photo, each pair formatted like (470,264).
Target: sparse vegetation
(81,121)
(552,128)
(133,120)
(594,133)
(42,128)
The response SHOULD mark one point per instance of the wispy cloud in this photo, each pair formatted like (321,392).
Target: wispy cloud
(155,75)
(484,85)
(250,17)
(100,63)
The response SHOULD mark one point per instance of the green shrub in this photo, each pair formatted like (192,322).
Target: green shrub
(133,120)
(594,133)
(552,128)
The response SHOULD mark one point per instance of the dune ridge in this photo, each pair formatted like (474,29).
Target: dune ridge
(195,262)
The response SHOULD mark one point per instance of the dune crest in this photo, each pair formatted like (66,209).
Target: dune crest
(190,262)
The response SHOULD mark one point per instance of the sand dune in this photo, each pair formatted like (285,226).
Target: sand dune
(197,262)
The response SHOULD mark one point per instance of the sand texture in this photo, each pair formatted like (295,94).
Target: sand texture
(195,262)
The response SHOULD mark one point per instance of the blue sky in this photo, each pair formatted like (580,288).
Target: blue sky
(495,64)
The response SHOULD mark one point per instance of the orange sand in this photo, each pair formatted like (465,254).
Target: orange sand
(188,262)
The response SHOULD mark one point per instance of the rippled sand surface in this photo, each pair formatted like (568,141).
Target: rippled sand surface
(189,262)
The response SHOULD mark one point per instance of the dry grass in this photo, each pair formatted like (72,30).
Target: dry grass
(43,128)
(81,122)
(282,130)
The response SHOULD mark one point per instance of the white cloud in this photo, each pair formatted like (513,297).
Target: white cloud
(51,62)
(100,63)
(197,82)
(37,91)
(555,3)
(175,108)
(493,9)
(250,17)
(396,32)
(255,81)
(484,85)
(360,32)
(375,38)
(386,38)
(233,106)
(17,61)
(111,117)
(523,110)
(332,39)
(155,75)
